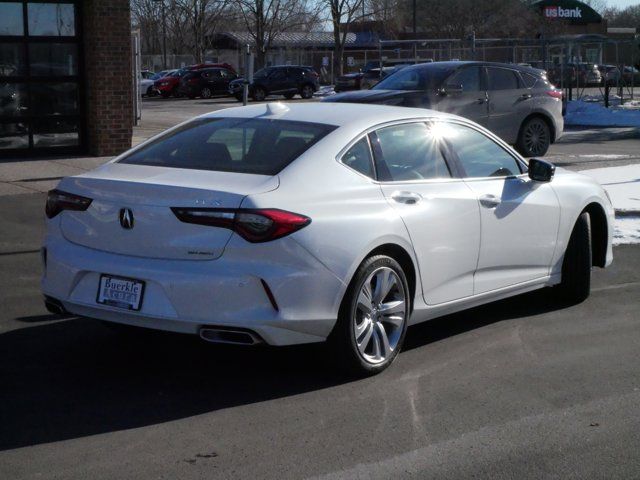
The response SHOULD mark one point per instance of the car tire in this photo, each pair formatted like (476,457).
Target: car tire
(205,93)
(365,341)
(576,266)
(306,91)
(150,92)
(534,138)
(259,94)
(289,96)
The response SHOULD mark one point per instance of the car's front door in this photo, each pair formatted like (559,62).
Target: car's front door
(520,217)
(440,211)
(509,103)
(473,101)
(277,80)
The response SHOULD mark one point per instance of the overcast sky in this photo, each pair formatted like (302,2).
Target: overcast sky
(621,3)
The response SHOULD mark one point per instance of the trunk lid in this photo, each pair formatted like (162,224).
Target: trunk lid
(148,192)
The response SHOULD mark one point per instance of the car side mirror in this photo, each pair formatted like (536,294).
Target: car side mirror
(541,170)
(452,89)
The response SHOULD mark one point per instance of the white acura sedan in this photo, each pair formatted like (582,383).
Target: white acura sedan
(286,224)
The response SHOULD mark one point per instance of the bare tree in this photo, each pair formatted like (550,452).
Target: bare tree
(343,14)
(266,19)
(202,18)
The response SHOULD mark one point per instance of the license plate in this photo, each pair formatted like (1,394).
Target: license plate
(120,292)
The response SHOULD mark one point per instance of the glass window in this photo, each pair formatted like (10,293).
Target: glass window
(53,132)
(468,77)
(13,99)
(53,59)
(410,152)
(14,135)
(502,79)
(419,77)
(359,158)
(278,74)
(55,19)
(11,22)
(241,145)
(479,155)
(528,79)
(54,98)
(12,62)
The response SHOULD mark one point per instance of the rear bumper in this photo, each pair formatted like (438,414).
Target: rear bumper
(183,296)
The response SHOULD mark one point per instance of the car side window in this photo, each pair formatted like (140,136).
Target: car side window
(528,79)
(468,77)
(359,158)
(502,79)
(278,74)
(411,151)
(479,155)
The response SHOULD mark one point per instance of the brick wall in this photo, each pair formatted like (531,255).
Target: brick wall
(107,59)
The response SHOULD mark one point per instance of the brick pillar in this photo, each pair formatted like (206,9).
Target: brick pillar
(107,60)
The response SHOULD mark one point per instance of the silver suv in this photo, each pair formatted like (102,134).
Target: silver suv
(517,103)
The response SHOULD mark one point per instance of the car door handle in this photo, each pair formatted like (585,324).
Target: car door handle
(489,201)
(482,100)
(525,96)
(408,198)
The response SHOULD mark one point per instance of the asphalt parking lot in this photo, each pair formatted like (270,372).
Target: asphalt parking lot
(523,388)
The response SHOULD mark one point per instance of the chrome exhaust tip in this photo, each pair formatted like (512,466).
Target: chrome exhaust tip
(230,336)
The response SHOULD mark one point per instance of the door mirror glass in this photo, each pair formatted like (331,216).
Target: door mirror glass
(541,170)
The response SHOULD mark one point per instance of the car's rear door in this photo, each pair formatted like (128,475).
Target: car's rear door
(519,217)
(440,211)
(277,80)
(472,102)
(509,102)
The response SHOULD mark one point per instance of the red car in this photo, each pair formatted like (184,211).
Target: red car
(169,84)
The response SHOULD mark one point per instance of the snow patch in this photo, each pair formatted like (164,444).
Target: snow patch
(591,113)
(623,186)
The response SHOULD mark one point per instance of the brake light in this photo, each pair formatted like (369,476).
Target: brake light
(255,226)
(57,201)
(554,93)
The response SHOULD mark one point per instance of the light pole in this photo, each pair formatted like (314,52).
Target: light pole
(164,35)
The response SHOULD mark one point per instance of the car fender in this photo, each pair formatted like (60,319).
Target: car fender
(576,192)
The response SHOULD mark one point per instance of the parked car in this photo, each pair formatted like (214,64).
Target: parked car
(369,76)
(162,74)
(298,223)
(170,84)
(145,84)
(287,80)
(206,82)
(575,75)
(517,103)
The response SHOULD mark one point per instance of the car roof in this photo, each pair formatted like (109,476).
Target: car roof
(358,115)
(459,63)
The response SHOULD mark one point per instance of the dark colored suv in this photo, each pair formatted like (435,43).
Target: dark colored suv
(206,83)
(516,103)
(287,80)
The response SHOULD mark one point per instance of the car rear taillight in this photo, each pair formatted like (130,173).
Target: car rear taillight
(260,225)
(57,201)
(554,93)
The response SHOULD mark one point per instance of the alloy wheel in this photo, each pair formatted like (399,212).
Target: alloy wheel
(380,315)
(307,92)
(536,137)
(205,93)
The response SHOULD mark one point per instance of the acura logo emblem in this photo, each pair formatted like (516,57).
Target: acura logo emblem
(126,218)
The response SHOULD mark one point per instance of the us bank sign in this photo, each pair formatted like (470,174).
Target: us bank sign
(559,12)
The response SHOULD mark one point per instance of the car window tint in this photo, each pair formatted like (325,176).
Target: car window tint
(502,79)
(479,155)
(410,152)
(277,74)
(359,158)
(528,79)
(468,77)
(241,145)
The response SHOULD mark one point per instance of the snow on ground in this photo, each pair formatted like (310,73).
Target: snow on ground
(623,186)
(591,113)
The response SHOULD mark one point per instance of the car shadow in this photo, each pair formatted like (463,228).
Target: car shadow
(65,378)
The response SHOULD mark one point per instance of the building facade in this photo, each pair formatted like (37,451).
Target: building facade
(66,81)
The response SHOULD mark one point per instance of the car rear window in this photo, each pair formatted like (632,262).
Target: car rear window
(240,145)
